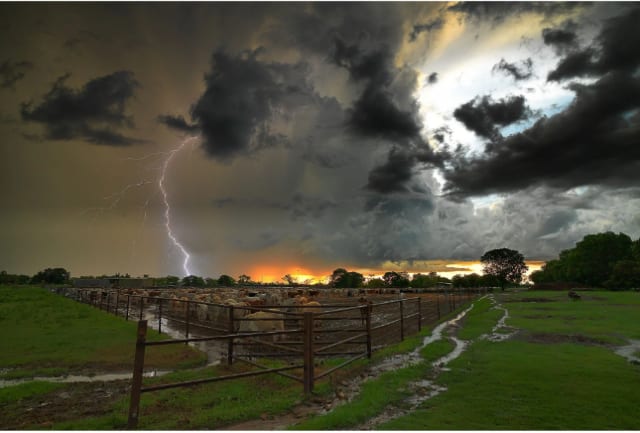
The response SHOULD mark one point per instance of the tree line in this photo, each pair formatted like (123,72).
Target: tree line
(501,267)
(605,260)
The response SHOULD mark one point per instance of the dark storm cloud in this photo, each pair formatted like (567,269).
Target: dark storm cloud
(242,96)
(593,142)
(12,72)
(499,11)
(614,49)
(380,112)
(563,38)
(483,116)
(177,122)
(428,27)
(91,113)
(575,64)
(299,206)
(518,72)
(393,175)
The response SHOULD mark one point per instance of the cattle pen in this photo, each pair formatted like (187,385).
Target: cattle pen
(300,337)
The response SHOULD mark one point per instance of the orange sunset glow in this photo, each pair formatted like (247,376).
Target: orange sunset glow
(306,275)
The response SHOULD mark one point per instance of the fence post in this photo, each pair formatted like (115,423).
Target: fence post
(369,307)
(128,305)
(419,314)
(159,316)
(187,330)
(402,320)
(117,302)
(136,383)
(141,306)
(438,304)
(308,352)
(230,343)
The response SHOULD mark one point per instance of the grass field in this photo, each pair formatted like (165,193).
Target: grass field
(558,372)
(45,334)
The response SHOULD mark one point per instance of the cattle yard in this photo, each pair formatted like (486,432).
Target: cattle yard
(300,328)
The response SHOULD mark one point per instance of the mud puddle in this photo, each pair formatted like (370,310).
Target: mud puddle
(426,389)
(74,378)
(630,352)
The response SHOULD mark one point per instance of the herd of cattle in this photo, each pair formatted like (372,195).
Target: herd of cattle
(272,309)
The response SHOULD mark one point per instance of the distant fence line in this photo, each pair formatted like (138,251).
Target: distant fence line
(298,335)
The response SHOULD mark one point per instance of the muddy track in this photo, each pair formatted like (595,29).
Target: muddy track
(421,390)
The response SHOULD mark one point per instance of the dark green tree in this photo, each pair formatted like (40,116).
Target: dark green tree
(193,281)
(506,265)
(345,279)
(625,275)
(396,279)
(226,281)
(244,279)
(592,260)
(425,281)
(51,276)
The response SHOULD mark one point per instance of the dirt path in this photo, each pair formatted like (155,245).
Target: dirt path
(82,400)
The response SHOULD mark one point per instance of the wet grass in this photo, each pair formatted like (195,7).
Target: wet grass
(205,406)
(606,316)
(521,385)
(13,394)
(480,320)
(42,333)
(376,394)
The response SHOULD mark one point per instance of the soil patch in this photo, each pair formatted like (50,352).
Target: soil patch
(79,400)
(545,338)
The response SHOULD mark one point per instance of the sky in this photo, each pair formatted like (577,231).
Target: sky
(273,138)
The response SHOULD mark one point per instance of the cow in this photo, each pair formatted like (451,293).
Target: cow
(258,322)
(574,295)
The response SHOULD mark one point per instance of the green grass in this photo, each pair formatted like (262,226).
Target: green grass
(606,316)
(518,385)
(203,406)
(376,394)
(521,386)
(43,333)
(12,394)
(480,320)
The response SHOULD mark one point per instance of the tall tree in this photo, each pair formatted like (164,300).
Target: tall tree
(226,281)
(193,281)
(51,276)
(506,265)
(345,279)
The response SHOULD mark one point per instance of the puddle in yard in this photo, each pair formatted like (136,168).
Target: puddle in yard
(72,378)
(631,352)
(501,331)
(421,390)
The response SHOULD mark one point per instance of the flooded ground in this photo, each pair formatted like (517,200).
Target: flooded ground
(630,352)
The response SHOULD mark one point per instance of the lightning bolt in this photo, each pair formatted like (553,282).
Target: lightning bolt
(167,206)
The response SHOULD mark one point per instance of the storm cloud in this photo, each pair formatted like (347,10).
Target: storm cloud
(521,71)
(483,115)
(12,72)
(94,113)
(612,50)
(590,143)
